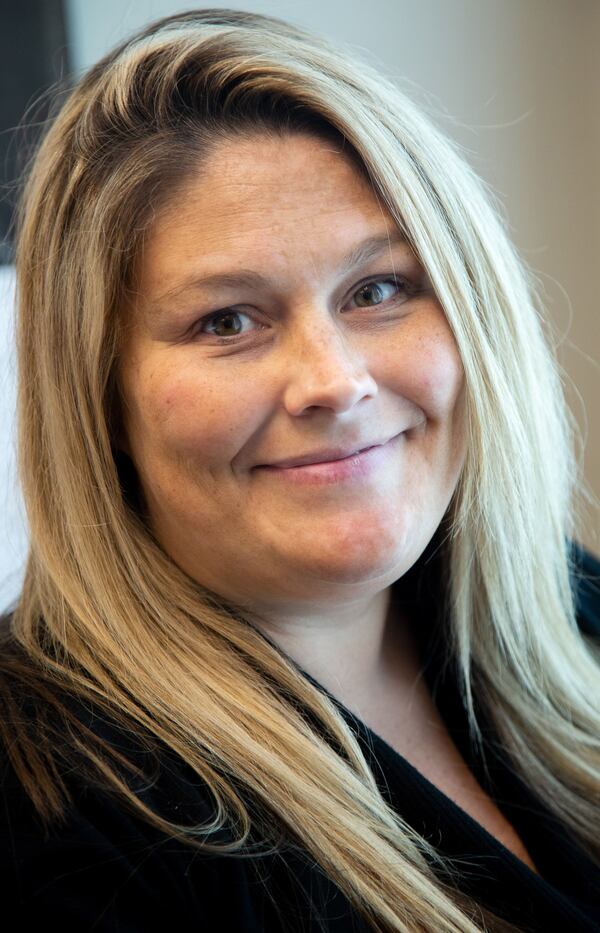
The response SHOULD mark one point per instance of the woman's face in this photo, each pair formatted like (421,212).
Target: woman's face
(257,336)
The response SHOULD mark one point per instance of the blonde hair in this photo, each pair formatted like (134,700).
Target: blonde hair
(107,615)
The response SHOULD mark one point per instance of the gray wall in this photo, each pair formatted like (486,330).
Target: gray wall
(516,83)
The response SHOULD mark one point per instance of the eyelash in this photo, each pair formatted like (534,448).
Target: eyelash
(397,280)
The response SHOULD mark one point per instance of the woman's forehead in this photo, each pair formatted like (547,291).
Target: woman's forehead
(260,202)
(243,174)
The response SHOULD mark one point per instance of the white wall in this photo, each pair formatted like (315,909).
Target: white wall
(515,82)
(13,538)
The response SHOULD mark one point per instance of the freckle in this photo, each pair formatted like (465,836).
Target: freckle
(171,398)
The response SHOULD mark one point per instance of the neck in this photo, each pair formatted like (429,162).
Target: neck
(355,654)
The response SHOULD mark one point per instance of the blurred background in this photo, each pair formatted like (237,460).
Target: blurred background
(515,82)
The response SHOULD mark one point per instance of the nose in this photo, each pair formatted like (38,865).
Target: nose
(325,369)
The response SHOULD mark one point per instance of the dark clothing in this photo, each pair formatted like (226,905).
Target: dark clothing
(108,870)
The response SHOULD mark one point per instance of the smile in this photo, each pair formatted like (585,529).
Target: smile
(356,468)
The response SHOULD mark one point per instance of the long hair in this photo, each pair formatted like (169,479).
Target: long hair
(106,615)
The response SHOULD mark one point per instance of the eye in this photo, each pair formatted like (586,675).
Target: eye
(374,289)
(225,318)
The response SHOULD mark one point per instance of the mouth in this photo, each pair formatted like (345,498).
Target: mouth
(361,466)
(328,455)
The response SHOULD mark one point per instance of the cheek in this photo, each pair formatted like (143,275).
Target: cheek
(442,381)
(443,400)
(183,414)
(433,373)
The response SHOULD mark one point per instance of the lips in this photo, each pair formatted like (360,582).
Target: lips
(327,455)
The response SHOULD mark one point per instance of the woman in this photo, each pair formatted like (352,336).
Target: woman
(257,680)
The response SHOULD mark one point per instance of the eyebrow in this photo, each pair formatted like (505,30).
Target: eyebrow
(370,248)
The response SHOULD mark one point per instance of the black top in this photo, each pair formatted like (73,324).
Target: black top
(106,870)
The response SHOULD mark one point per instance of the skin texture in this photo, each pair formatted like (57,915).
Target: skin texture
(322,361)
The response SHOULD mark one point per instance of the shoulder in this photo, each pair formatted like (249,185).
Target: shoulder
(106,868)
(585,583)
(101,865)
(99,868)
